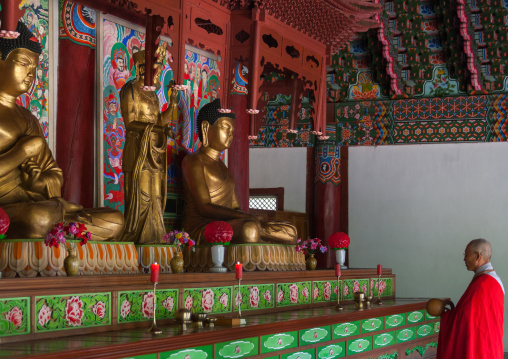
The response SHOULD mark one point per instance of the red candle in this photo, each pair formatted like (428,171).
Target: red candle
(379,269)
(154,273)
(239,270)
(337,270)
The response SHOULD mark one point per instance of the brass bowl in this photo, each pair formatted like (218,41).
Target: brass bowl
(359,296)
(198,317)
(183,316)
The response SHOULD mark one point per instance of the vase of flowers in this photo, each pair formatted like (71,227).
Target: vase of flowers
(310,247)
(60,234)
(218,234)
(339,241)
(180,240)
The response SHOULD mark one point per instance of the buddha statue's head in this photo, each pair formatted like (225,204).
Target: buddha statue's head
(215,126)
(19,58)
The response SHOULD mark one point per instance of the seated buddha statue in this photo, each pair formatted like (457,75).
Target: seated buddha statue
(209,189)
(30,180)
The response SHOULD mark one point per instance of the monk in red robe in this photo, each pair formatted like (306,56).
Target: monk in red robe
(474,328)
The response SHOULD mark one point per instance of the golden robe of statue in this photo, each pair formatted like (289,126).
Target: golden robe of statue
(209,189)
(144,158)
(30,180)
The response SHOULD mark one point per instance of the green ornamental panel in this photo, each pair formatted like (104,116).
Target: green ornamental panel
(359,345)
(384,340)
(315,335)
(14,316)
(146,356)
(416,317)
(371,325)
(404,335)
(302,354)
(429,317)
(337,350)
(352,286)
(203,352)
(208,300)
(237,348)
(424,330)
(72,311)
(325,291)
(343,330)
(293,293)
(385,286)
(437,327)
(137,306)
(259,296)
(274,342)
(396,320)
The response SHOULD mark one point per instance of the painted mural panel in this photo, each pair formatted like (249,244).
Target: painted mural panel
(77,23)
(36,99)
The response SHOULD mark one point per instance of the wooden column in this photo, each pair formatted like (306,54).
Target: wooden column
(238,154)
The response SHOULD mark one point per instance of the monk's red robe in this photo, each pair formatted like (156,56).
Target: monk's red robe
(474,328)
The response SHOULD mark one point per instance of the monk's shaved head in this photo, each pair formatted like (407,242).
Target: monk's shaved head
(481,246)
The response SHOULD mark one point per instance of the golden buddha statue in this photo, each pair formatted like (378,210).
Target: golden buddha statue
(209,189)
(30,180)
(144,157)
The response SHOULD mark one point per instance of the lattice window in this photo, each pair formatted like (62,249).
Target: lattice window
(263,202)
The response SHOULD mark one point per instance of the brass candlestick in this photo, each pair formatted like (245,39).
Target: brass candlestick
(379,301)
(241,320)
(338,306)
(154,329)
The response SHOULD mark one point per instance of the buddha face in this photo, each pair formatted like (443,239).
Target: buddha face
(220,135)
(17,71)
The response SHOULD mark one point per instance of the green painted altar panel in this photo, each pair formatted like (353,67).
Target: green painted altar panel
(315,335)
(273,342)
(203,352)
(137,306)
(396,320)
(417,316)
(359,345)
(301,354)
(437,327)
(371,325)
(384,340)
(348,329)
(237,348)
(146,356)
(332,351)
(14,316)
(208,300)
(325,291)
(429,317)
(255,296)
(293,293)
(424,330)
(404,335)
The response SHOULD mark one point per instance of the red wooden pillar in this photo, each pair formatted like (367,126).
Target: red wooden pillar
(330,197)
(75,121)
(238,154)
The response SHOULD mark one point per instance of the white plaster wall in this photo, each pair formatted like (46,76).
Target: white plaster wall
(280,167)
(414,208)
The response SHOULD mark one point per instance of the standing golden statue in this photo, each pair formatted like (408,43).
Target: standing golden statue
(144,158)
(209,189)
(30,180)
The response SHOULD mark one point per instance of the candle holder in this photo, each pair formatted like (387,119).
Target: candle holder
(338,306)
(242,320)
(154,329)
(379,301)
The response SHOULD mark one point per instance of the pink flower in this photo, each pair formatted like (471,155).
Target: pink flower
(125,308)
(44,315)
(327,290)
(238,299)
(147,305)
(74,311)
(207,300)
(356,286)
(99,309)
(316,292)
(305,292)
(254,297)
(346,290)
(364,288)
(293,293)
(267,295)
(224,299)
(15,316)
(189,302)
(372,285)
(280,296)
(168,303)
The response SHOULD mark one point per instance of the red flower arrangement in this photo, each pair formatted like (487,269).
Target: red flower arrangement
(338,240)
(4,223)
(218,233)
(60,232)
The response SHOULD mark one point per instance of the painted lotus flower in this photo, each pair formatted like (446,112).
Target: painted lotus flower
(99,309)
(316,292)
(44,315)
(356,286)
(15,316)
(305,292)
(238,299)
(125,308)
(268,296)
(207,300)
(224,299)
(147,305)
(327,290)
(254,297)
(168,303)
(188,302)
(74,311)
(364,288)
(346,290)
(280,296)
(293,293)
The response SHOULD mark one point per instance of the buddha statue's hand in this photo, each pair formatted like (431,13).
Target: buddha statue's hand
(31,172)
(168,131)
